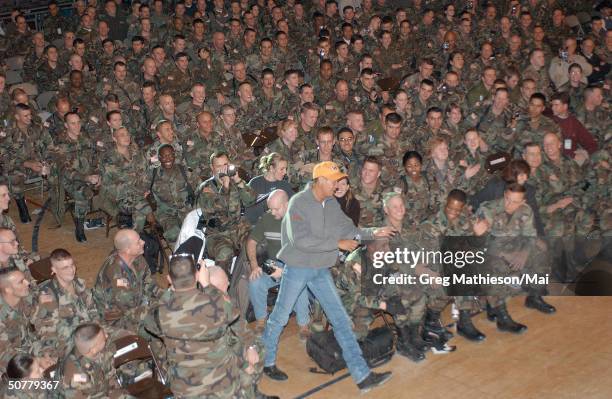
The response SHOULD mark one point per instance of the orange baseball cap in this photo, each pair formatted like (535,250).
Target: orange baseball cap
(329,170)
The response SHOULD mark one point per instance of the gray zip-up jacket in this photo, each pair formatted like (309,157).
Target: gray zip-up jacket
(310,231)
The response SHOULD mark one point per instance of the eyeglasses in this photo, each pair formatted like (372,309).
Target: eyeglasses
(345,139)
(13,241)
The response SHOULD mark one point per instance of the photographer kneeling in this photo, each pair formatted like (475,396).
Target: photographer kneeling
(267,231)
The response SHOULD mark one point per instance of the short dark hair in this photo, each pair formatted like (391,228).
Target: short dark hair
(408,155)
(182,271)
(457,195)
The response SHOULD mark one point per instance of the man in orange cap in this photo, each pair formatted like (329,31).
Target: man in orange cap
(313,229)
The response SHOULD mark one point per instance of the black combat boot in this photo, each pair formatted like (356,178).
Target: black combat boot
(490,313)
(261,395)
(417,338)
(505,322)
(79,230)
(433,326)
(24,214)
(405,345)
(466,328)
(538,303)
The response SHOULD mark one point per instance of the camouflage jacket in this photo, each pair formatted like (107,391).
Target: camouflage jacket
(16,330)
(202,344)
(55,319)
(119,288)
(225,205)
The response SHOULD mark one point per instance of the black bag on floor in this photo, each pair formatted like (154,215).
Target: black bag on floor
(153,253)
(322,347)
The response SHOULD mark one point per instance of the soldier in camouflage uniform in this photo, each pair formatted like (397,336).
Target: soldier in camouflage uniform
(335,110)
(537,71)
(125,89)
(366,95)
(202,334)
(510,242)
(23,149)
(326,140)
(289,147)
(77,170)
(415,188)
(324,83)
(55,24)
(124,288)
(49,73)
(498,124)
(64,302)
(595,115)
(171,187)
(16,306)
(369,191)
(200,144)
(122,186)
(221,201)
(406,305)
(87,370)
(561,205)
(536,125)
(178,81)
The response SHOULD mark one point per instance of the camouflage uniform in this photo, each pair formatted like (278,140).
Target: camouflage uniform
(597,122)
(48,78)
(56,319)
(81,377)
(507,234)
(17,147)
(371,205)
(171,189)
(497,130)
(390,154)
(222,208)
(178,84)
(123,185)
(197,152)
(418,200)
(204,351)
(74,161)
(127,91)
(443,181)
(16,330)
(119,288)
(534,130)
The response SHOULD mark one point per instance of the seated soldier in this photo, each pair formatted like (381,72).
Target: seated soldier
(122,188)
(16,305)
(87,370)
(407,306)
(63,304)
(222,199)
(77,169)
(172,191)
(124,288)
(267,232)
(10,255)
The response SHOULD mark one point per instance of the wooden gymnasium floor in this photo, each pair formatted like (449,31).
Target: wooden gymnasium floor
(564,356)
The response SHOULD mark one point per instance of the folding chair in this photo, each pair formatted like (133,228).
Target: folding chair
(15,63)
(44,99)
(151,384)
(41,270)
(13,77)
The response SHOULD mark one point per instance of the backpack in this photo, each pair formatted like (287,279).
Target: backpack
(322,347)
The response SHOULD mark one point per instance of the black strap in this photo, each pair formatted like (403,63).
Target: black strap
(190,193)
(153,180)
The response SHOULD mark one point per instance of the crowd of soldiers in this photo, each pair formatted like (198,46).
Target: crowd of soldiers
(162,107)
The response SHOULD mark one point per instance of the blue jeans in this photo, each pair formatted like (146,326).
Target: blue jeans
(258,291)
(320,283)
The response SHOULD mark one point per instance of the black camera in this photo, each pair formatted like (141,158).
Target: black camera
(269,266)
(213,223)
(231,171)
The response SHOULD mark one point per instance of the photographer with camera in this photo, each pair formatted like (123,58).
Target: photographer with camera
(222,200)
(267,232)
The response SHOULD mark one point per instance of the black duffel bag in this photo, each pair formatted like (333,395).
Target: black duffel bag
(322,347)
